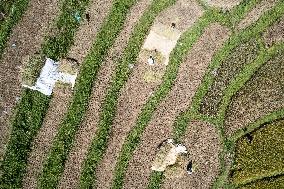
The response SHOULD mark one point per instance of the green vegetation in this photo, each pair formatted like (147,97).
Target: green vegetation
(251,127)
(13,11)
(27,121)
(267,183)
(243,54)
(98,145)
(32,108)
(31,69)
(263,156)
(54,165)
(156,180)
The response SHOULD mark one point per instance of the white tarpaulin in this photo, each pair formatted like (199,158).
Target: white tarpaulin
(49,76)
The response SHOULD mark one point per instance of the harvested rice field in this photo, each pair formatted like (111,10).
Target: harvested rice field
(141,94)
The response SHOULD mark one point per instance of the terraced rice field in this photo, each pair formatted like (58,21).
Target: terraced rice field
(208,74)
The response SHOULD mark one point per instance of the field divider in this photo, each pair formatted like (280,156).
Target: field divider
(258,123)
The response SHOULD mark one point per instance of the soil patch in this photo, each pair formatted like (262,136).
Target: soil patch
(244,54)
(256,12)
(83,139)
(134,95)
(275,33)
(26,38)
(222,4)
(94,17)
(42,143)
(160,128)
(261,95)
(203,146)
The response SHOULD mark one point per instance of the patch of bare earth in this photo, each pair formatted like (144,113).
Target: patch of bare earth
(88,128)
(203,146)
(222,4)
(57,108)
(59,105)
(160,128)
(261,95)
(275,33)
(256,12)
(96,13)
(142,83)
(28,36)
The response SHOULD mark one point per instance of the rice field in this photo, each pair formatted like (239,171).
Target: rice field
(206,75)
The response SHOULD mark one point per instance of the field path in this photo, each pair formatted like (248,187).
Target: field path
(189,78)
(59,104)
(88,127)
(256,13)
(135,94)
(203,145)
(223,4)
(85,36)
(27,35)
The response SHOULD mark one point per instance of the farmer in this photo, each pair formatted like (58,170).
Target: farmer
(151,60)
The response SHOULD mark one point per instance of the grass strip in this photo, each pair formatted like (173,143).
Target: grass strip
(54,165)
(258,123)
(156,180)
(276,181)
(13,11)
(177,56)
(122,72)
(32,107)
(27,121)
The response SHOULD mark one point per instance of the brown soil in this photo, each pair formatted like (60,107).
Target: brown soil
(203,146)
(87,131)
(28,36)
(57,110)
(223,4)
(261,95)
(242,55)
(256,12)
(134,95)
(43,141)
(275,33)
(86,34)
(189,78)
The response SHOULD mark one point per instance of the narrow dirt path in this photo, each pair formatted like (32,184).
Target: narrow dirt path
(28,36)
(189,78)
(256,13)
(223,4)
(138,89)
(87,130)
(97,12)
(59,104)
(203,146)
(275,33)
